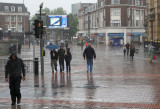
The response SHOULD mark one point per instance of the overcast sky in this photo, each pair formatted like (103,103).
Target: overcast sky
(33,5)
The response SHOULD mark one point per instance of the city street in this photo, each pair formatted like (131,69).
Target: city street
(117,82)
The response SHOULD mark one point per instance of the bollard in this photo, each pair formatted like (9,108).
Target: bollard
(36,67)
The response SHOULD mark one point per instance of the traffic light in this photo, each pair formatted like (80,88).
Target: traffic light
(36,33)
(40,27)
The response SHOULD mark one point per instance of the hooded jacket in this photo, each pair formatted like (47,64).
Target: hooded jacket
(89,53)
(14,67)
(68,56)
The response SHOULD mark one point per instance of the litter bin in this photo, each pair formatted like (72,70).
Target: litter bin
(36,68)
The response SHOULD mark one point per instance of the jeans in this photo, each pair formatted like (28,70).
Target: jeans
(61,64)
(90,64)
(54,65)
(68,66)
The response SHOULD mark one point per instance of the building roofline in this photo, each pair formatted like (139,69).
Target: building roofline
(12,3)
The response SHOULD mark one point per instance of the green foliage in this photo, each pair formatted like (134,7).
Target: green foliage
(73,23)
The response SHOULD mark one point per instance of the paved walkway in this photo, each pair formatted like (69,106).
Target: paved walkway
(116,83)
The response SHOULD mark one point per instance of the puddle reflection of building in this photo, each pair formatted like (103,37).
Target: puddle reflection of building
(54,84)
(43,85)
(36,81)
(90,90)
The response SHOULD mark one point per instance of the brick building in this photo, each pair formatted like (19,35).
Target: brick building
(154,19)
(119,21)
(14,18)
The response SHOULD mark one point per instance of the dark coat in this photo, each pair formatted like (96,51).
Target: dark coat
(89,53)
(68,56)
(127,46)
(54,55)
(61,53)
(132,51)
(14,67)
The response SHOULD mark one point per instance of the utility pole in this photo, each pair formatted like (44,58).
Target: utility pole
(41,44)
(89,25)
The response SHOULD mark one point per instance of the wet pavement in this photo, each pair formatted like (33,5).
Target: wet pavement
(117,82)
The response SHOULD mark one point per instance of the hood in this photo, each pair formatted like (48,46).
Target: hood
(13,53)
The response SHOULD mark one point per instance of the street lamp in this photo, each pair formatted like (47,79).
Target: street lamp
(96,35)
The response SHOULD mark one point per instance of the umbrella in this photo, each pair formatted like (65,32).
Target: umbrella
(52,47)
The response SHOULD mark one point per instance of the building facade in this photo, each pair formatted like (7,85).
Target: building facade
(77,6)
(154,19)
(14,18)
(119,21)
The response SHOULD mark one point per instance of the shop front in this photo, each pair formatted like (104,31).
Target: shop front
(101,38)
(116,39)
(135,37)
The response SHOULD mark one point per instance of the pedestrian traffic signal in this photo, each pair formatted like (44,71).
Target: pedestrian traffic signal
(36,33)
(40,27)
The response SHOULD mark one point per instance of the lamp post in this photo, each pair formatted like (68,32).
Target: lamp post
(96,35)
(24,23)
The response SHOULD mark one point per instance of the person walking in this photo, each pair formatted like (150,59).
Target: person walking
(150,53)
(124,51)
(82,44)
(89,54)
(132,50)
(54,58)
(13,71)
(61,53)
(19,48)
(127,47)
(68,58)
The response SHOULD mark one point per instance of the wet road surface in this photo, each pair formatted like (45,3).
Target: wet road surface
(117,82)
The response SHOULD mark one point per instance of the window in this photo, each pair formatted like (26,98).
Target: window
(129,12)
(115,12)
(142,3)
(137,13)
(13,8)
(12,18)
(137,2)
(115,23)
(19,28)
(115,1)
(19,9)
(137,22)
(6,28)
(6,18)
(6,8)
(19,18)
(13,28)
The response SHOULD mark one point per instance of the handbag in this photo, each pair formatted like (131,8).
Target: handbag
(154,56)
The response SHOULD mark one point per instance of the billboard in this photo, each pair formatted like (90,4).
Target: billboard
(57,21)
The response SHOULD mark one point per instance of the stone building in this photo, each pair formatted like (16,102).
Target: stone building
(119,21)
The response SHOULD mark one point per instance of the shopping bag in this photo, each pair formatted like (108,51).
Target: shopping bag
(154,56)
(149,59)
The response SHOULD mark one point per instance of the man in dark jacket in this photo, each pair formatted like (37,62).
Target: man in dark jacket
(89,54)
(54,58)
(127,47)
(61,53)
(68,58)
(14,68)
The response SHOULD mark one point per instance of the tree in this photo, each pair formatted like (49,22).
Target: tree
(73,25)
(59,11)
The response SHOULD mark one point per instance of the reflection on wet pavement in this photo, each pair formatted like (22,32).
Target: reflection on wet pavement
(117,82)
